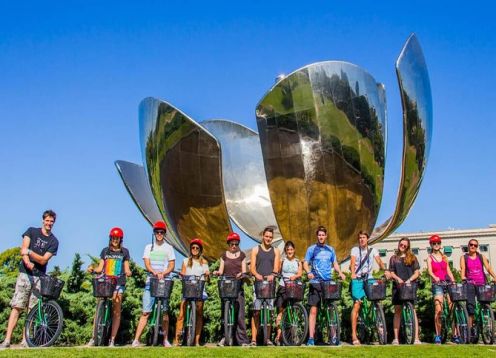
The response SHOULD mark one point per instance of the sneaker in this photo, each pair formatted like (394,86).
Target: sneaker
(456,340)
(417,342)
(253,344)
(395,342)
(136,344)
(221,342)
(310,342)
(111,343)
(277,343)
(167,343)
(437,340)
(270,343)
(24,344)
(91,343)
(245,344)
(5,344)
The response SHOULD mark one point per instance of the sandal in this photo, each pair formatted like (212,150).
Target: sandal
(417,341)
(395,342)
(356,342)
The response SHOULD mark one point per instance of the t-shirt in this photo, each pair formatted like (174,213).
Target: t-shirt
(397,265)
(114,263)
(321,258)
(39,244)
(367,267)
(289,268)
(159,257)
(196,269)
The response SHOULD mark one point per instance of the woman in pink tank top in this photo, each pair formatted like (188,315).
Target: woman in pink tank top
(439,270)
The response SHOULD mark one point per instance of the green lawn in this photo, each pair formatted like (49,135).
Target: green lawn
(347,351)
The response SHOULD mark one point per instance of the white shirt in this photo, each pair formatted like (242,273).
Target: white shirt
(159,257)
(368,265)
(196,269)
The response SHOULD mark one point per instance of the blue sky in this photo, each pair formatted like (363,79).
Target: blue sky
(71,79)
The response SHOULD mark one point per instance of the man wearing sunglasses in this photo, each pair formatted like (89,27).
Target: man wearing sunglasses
(159,261)
(472,266)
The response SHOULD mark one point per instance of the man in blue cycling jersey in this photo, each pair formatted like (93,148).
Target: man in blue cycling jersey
(320,260)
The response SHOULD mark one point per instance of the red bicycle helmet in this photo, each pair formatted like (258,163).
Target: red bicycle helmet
(116,232)
(233,237)
(434,238)
(196,241)
(159,225)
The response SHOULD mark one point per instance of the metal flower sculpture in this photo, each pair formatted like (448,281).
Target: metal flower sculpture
(318,159)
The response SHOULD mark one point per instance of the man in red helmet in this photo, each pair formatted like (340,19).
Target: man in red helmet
(39,245)
(159,261)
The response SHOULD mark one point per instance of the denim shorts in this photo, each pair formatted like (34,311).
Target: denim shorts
(437,290)
(149,301)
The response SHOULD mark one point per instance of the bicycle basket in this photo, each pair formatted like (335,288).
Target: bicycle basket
(229,287)
(331,290)
(161,288)
(193,288)
(294,290)
(457,292)
(375,290)
(486,293)
(51,287)
(408,291)
(265,289)
(104,286)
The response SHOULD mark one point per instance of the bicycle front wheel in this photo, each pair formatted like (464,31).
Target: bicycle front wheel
(43,324)
(158,321)
(380,323)
(486,323)
(190,323)
(460,316)
(229,319)
(294,324)
(264,321)
(333,325)
(101,329)
(408,323)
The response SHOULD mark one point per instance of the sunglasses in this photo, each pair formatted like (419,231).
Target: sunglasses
(195,248)
(116,238)
(473,245)
(403,245)
(160,232)
(436,243)
(234,244)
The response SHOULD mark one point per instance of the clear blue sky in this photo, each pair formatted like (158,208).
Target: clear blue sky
(71,79)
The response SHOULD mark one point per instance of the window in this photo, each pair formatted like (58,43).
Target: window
(448,250)
(382,252)
(415,251)
(484,248)
(464,248)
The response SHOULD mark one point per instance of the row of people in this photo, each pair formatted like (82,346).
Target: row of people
(320,262)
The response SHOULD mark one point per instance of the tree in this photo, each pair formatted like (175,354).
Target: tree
(9,261)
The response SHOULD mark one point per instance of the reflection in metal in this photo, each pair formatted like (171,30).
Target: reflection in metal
(322,130)
(245,185)
(134,178)
(416,100)
(182,161)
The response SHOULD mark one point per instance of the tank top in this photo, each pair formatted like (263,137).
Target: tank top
(475,271)
(232,267)
(265,261)
(439,268)
(289,268)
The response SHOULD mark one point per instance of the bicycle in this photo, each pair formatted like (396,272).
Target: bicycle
(458,314)
(160,289)
(265,290)
(328,314)
(103,290)
(45,320)
(193,287)
(294,321)
(371,320)
(483,322)
(229,289)
(408,323)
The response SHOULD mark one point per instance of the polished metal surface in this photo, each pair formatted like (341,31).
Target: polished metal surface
(245,185)
(416,99)
(322,131)
(183,164)
(134,178)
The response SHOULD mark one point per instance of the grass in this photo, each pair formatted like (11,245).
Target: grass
(346,351)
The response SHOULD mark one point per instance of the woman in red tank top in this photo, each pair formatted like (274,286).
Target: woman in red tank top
(439,270)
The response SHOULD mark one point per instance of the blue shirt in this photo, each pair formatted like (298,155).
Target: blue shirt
(321,258)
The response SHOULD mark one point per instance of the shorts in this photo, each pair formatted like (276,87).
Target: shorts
(149,301)
(119,289)
(281,299)
(314,294)
(437,290)
(257,302)
(25,295)
(357,289)
(470,299)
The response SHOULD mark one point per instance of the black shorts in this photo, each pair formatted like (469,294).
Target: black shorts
(281,298)
(314,294)
(470,299)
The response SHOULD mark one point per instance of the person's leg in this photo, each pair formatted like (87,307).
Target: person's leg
(438,309)
(116,315)
(354,319)
(396,321)
(241,336)
(13,318)
(199,321)
(255,321)
(180,322)
(141,325)
(21,299)
(312,318)
(278,324)
(417,339)
(165,327)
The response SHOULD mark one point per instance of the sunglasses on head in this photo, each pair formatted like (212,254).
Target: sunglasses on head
(473,245)
(161,232)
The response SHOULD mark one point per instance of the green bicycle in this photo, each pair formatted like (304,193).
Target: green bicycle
(265,291)
(45,320)
(103,290)
(408,323)
(192,292)
(160,289)
(294,320)
(371,320)
(484,315)
(229,289)
(328,324)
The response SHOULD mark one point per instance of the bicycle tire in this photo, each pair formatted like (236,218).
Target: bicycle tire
(191,324)
(380,323)
(486,323)
(158,321)
(265,323)
(102,326)
(333,324)
(460,315)
(361,327)
(228,323)
(46,334)
(408,323)
(294,330)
